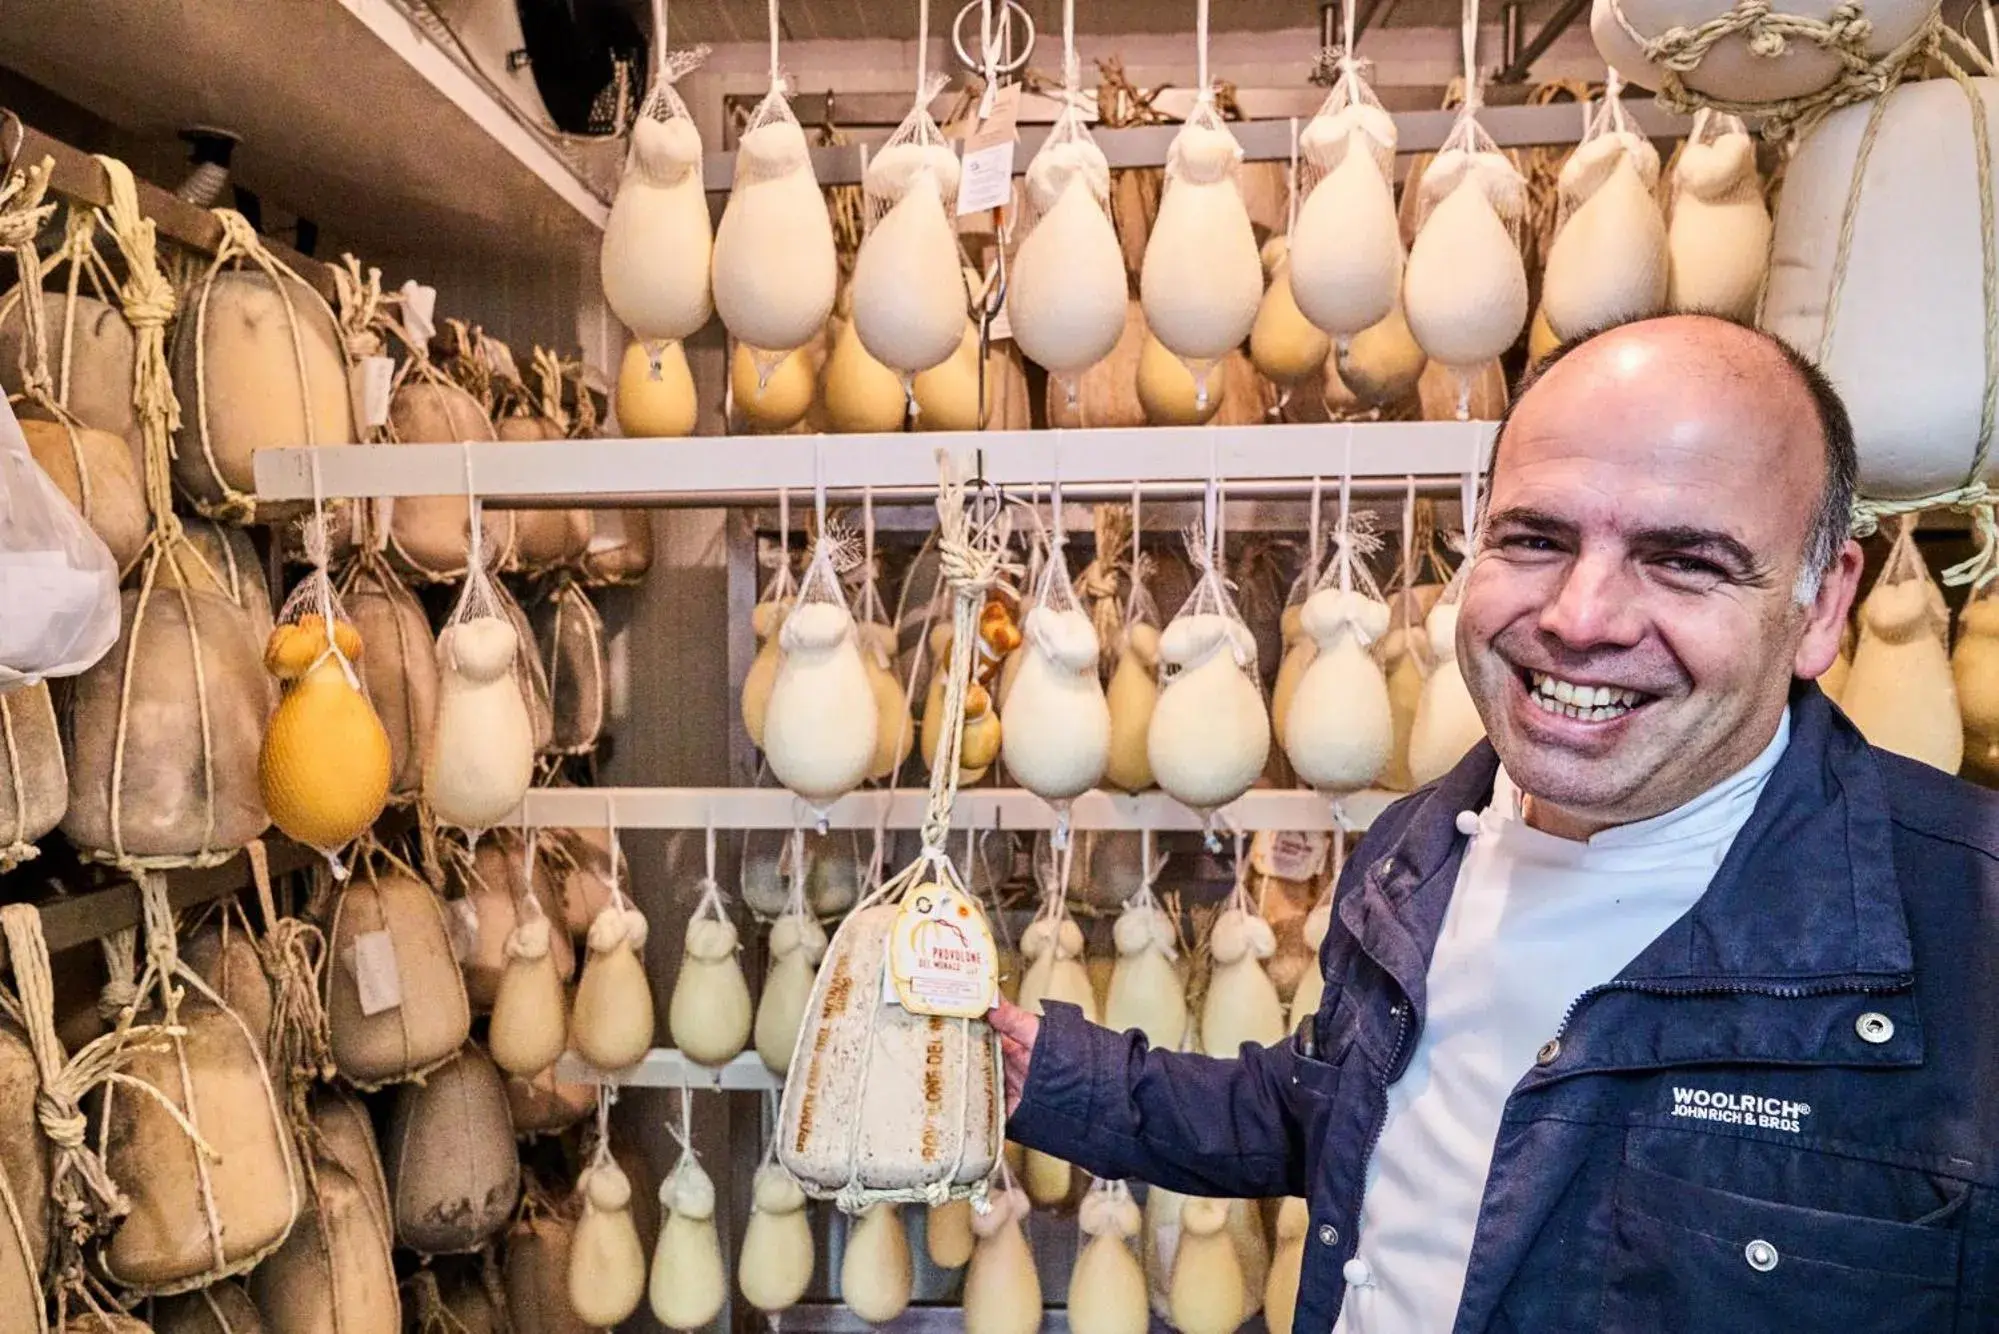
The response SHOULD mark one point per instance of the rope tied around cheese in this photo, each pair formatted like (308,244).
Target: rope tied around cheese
(1973,495)
(17,849)
(293,954)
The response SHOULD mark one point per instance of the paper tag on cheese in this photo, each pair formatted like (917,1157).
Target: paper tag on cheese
(369,382)
(419,310)
(377,983)
(941,958)
(985,178)
(1289,854)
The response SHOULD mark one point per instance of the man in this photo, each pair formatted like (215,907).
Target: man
(1672,1007)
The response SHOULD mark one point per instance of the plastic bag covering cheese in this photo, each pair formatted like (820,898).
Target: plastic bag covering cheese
(1464,292)
(1340,729)
(654,396)
(1055,726)
(1107,1284)
(482,753)
(775,267)
(1758,64)
(1447,723)
(1147,991)
(708,1015)
(1002,1290)
(1900,692)
(875,1273)
(1283,345)
(820,724)
(688,1284)
(607,1263)
(657,245)
(46,546)
(1066,291)
(1875,273)
(1608,261)
(777,1259)
(1209,735)
(1346,244)
(1718,227)
(1202,278)
(909,297)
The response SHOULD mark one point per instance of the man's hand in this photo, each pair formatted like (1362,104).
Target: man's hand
(1017,1030)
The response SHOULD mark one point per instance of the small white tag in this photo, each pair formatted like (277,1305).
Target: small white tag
(985,179)
(1289,854)
(370,381)
(462,924)
(376,981)
(1001,328)
(419,310)
(499,358)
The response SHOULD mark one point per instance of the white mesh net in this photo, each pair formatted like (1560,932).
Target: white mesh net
(1068,157)
(1609,139)
(314,606)
(1470,157)
(1205,150)
(915,159)
(773,143)
(1350,119)
(1209,619)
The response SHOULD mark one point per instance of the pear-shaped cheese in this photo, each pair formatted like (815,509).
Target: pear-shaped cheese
(1066,293)
(607,1264)
(611,1026)
(765,621)
(1280,1293)
(1169,393)
(819,727)
(947,1234)
(1208,1292)
(775,1267)
(657,242)
(1465,289)
(1346,247)
(1312,982)
(1381,366)
(709,1013)
(482,752)
(1340,728)
(1055,726)
(687,1285)
(654,397)
(776,270)
(1053,948)
(1900,692)
(909,294)
(1147,992)
(1002,1289)
(1283,344)
(1131,697)
(1974,665)
(1107,1285)
(1718,242)
(1608,262)
(797,943)
(1241,1004)
(876,1273)
(1209,735)
(861,394)
(528,1021)
(1202,277)
(1447,722)
(772,391)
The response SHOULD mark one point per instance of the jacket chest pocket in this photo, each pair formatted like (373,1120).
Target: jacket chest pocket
(1693,1258)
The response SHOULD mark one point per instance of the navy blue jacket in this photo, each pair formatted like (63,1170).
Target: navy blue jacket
(1808,1061)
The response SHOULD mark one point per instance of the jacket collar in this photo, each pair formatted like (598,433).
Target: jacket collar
(1808,890)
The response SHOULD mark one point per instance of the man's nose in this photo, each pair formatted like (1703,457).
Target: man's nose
(1596,604)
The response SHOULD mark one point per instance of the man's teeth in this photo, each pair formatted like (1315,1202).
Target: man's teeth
(1589,703)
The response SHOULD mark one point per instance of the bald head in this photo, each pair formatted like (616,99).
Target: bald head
(1726,369)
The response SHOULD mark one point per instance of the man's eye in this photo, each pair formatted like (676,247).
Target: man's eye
(1528,542)
(1691,567)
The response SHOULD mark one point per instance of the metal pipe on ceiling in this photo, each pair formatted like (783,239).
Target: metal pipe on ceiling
(1509,15)
(1558,23)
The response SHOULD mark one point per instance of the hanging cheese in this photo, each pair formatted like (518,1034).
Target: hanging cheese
(709,1013)
(1066,291)
(775,1267)
(895,728)
(1898,324)
(797,943)
(224,955)
(1131,697)
(585,862)
(1107,393)
(1283,344)
(325,766)
(1053,948)
(861,394)
(429,536)
(1464,292)
(1055,724)
(766,619)
(772,391)
(1202,279)
(1718,235)
(1168,392)
(1209,735)
(1974,667)
(528,1028)
(347,1136)
(1311,988)
(386,918)
(909,297)
(1381,366)
(1541,340)
(494,881)
(1002,1290)
(620,550)
(1608,261)
(1107,1284)
(482,751)
(1346,258)
(544,539)
(1208,1293)
(335,1274)
(607,1267)
(220,1308)
(819,727)
(93,470)
(1341,727)
(654,396)
(947,396)
(1147,992)
(1446,724)
(1241,1003)
(1900,692)
(399,669)
(25,1215)
(258,363)
(612,1024)
(546,1104)
(947,1234)
(1280,1294)
(1768,61)
(833,870)
(687,1286)
(537,1275)
(775,267)
(452,1171)
(876,1274)
(34,784)
(1299,650)
(91,351)
(574,652)
(1467,393)
(657,242)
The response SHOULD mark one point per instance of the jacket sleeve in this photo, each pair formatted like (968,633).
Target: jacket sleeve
(1200,1125)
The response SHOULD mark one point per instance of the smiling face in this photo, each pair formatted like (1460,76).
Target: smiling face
(1629,629)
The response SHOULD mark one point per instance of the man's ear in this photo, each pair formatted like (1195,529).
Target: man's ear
(1826,618)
